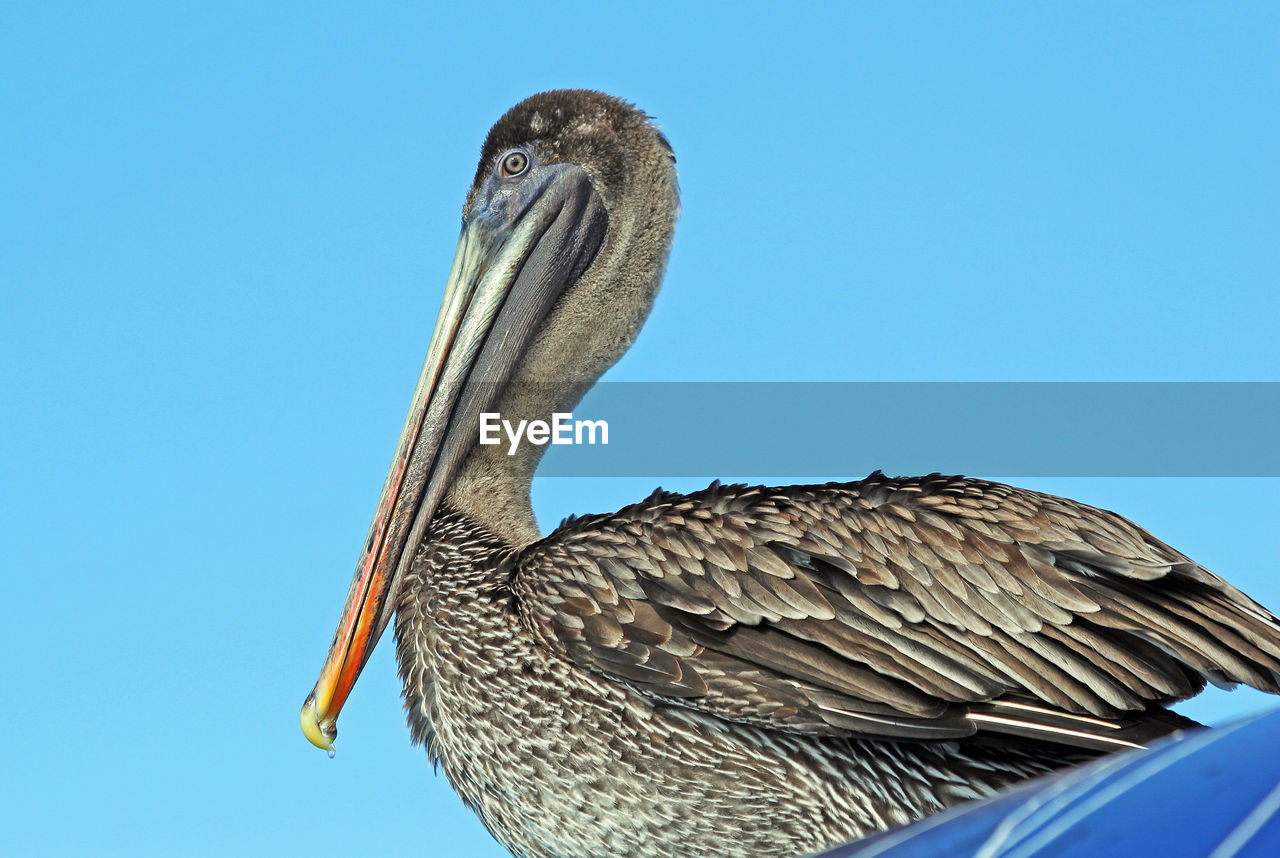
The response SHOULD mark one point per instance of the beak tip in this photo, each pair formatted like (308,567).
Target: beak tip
(319,733)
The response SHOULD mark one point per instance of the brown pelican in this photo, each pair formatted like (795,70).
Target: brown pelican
(739,671)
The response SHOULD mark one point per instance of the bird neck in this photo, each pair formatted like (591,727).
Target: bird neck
(492,487)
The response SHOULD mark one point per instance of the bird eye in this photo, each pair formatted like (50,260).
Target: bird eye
(514,164)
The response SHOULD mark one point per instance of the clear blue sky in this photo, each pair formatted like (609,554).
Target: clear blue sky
(223,236)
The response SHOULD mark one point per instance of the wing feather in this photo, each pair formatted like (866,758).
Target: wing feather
(919,608)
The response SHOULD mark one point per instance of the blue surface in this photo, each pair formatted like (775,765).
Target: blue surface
(224,232)
(1203,794)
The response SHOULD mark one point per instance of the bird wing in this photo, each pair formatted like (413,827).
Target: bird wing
(920,608)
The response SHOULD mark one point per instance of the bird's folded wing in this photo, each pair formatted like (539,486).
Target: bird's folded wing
(920,608)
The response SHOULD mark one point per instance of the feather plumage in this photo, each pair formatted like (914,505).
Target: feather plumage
(926,600)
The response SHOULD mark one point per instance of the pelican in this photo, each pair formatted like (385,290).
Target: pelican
(741,671)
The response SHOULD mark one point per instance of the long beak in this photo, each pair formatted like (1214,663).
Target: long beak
(508,271)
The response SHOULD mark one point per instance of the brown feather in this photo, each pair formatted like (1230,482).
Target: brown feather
(908,596)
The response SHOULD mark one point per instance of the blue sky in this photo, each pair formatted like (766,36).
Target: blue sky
(223,236)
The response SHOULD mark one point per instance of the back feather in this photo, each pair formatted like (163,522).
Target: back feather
(911,608)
